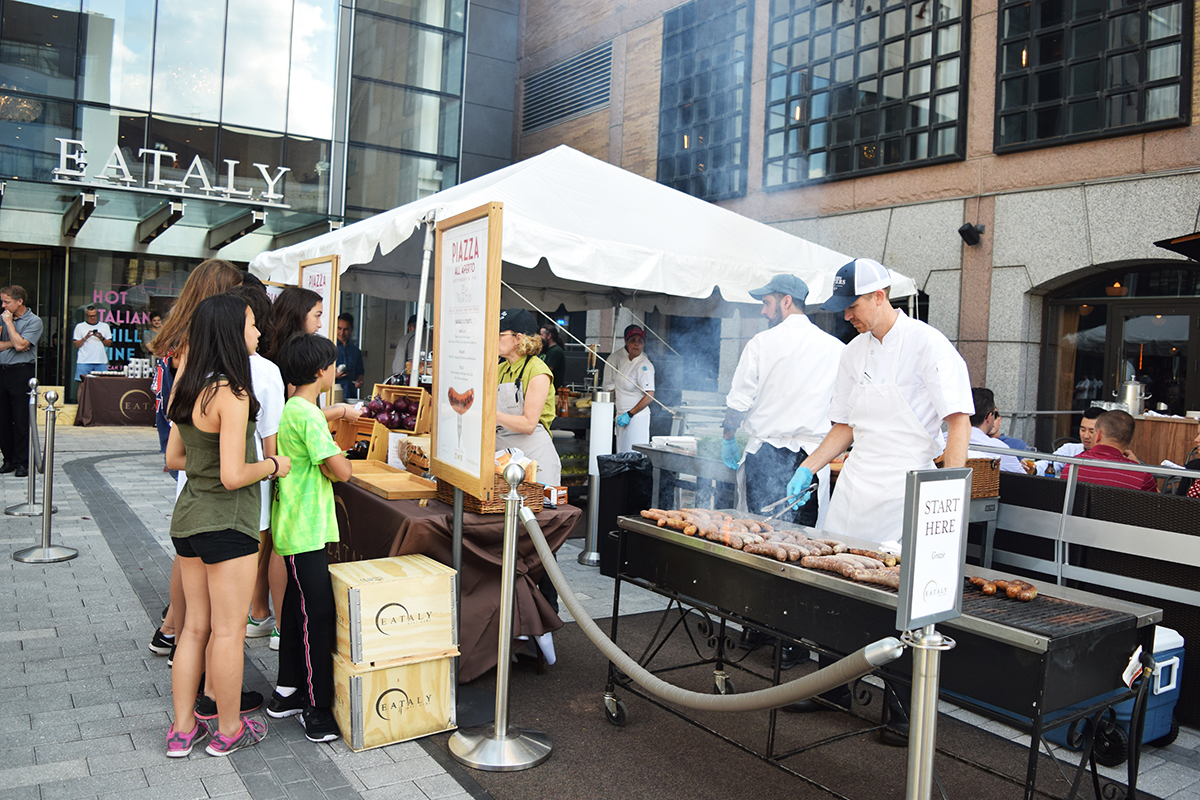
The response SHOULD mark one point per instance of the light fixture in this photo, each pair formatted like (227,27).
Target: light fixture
(1085,309)
(77,213)
(970,233)
(1116,290)
(229,232)
(156,222)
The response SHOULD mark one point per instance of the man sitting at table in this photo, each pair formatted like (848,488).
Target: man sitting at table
(985,422)
(1087,437)
(1114,432)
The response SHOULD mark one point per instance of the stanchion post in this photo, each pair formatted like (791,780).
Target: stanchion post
(599,444)
(500,747)
(927,645)
(31,507)
(47,553)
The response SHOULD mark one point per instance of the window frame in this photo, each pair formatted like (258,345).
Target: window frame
(1185,39)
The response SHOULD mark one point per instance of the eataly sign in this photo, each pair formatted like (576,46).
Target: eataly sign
(72,168)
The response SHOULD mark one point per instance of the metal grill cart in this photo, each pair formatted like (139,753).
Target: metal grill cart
(1027,664)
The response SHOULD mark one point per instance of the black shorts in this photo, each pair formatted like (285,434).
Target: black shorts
(213,547)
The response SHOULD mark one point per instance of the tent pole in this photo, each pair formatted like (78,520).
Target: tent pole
(415,373)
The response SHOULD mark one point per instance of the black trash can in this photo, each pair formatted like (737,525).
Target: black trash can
(626,482)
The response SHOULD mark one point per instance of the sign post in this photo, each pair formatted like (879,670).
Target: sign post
(322,276)
(936,504)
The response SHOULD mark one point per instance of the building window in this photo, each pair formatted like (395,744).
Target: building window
(704,100)
(1069,70)
(862,86)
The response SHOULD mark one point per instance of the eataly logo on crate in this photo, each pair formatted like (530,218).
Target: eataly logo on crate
(196,182)
(397,701)
(394,615)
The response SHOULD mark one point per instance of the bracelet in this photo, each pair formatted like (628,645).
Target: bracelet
(276,466)
(343,416)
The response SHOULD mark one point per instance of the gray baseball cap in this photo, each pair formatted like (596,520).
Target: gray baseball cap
(783,284)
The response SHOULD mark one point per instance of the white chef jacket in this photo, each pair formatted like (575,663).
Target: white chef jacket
(783,383)
(92,351)
(628,380)
(1007,463)
(930,374)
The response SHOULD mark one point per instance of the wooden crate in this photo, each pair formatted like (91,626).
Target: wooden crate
(395,701)
(424,412)
(347,433)
(390,608)
(414,449)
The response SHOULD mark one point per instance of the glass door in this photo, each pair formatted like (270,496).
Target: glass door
(1158,348)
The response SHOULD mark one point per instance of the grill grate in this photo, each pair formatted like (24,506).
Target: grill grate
(1045,616)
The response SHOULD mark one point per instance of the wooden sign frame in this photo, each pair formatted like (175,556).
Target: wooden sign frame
(323,276)
(466,323)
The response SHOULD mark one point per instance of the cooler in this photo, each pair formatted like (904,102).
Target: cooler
(1160,728)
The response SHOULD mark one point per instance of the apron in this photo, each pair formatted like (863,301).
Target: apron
(889,441)
(823,476)
(537,445)
(636,432)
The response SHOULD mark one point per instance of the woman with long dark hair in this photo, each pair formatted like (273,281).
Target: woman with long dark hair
(295,311)
(215,524)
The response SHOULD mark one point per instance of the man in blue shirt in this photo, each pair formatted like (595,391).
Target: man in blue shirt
(19,337)
(349,359)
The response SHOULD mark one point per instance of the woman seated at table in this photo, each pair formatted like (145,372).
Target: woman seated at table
(525,395)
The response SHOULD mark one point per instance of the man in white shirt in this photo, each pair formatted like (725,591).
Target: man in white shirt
(898,381)
(985,423)
(630,377)
(780,396)
(1087,438)
(91,338)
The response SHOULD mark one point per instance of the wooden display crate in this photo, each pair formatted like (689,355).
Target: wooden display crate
(424,412)
(390,608)
(414,449)
(347,433)
(391,483)
(393,702)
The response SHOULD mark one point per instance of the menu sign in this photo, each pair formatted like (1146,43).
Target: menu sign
(321,276)
(936,506)
(466,321)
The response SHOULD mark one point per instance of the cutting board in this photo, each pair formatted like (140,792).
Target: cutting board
(390,483)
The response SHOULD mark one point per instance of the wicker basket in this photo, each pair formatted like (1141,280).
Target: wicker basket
(531,494)
(985,480)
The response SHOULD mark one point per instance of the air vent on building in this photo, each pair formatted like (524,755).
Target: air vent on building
(567,90)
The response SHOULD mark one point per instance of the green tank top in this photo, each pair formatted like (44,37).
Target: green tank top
(205,504)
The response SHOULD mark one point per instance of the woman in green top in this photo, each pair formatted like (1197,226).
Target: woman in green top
(215,524)
(525,395)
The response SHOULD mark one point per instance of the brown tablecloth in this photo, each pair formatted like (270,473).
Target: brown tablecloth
(112,400)
(372,527)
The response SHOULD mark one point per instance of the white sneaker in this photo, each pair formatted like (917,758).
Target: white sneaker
(256,629)
(274,643)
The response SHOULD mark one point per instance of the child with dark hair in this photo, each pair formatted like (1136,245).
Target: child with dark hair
(302,522)
(215,524)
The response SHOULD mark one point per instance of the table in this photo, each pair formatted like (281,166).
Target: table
(372,527)
(114,400)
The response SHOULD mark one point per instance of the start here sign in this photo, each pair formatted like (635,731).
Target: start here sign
(934,547)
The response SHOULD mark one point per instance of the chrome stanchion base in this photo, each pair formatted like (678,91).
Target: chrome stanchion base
(589,558)
(45,555)
(28,510)
(482,749)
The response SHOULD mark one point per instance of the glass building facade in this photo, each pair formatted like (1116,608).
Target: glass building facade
(305,109)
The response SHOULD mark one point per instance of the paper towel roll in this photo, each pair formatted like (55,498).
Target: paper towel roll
(600,435)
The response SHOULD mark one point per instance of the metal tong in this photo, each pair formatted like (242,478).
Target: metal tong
(789,503)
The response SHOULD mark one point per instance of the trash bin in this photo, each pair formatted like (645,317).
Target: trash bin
(1161,727)
(626,481)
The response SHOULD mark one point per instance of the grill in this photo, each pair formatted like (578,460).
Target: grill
(1024,662)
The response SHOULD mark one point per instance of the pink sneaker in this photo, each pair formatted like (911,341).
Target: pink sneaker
(251,733)
(179,745)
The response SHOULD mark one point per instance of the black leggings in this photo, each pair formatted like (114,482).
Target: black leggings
(306,628)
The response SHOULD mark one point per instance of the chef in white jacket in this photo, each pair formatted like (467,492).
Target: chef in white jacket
(898,381)
(780,397)
(630,377)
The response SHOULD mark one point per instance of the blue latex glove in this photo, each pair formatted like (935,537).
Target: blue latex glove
(730,453)
(623,420)
(799,485)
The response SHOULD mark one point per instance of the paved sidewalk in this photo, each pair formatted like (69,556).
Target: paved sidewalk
(85,706)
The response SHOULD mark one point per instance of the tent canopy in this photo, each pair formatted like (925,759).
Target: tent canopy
(584,234)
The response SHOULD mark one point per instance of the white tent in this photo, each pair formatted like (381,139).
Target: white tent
(587,235)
